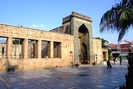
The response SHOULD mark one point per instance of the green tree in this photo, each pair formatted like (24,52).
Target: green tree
(119,18)
(109,52)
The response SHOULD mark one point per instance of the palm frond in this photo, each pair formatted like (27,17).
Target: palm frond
(124,2)
(119,18)
(108,20)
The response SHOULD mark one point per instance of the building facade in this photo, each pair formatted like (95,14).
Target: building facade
(71,43)
(122,47)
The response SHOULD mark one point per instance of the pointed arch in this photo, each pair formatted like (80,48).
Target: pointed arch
(83,35)
(83,29)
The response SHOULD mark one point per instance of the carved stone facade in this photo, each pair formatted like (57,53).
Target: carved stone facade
(68,44)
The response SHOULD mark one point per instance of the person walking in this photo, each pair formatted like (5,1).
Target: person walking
(114,59)
(120,60)
(109,64)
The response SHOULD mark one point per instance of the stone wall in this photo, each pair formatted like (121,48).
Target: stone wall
(97,49)
(55,48)
(71,25)
(58,29)
(66,42)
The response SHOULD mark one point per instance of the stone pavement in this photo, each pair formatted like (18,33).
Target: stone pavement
(83,77)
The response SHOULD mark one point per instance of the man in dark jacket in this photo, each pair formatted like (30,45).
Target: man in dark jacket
(109,64)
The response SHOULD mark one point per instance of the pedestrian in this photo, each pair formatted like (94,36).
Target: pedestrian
(114,59)
(109,64)
(120,60)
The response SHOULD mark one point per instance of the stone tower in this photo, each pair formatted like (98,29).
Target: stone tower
(81,27)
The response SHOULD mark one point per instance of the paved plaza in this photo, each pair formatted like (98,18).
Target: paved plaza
(83,77)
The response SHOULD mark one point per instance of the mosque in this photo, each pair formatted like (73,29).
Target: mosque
(66,45)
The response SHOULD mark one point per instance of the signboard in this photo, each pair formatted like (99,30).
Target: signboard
(71,52)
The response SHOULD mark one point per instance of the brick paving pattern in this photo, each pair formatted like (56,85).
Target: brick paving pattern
(83,77)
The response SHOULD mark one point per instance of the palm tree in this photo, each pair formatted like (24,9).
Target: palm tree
(119,18)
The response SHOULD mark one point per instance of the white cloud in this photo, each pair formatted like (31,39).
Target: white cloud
(34,26)
(40,26)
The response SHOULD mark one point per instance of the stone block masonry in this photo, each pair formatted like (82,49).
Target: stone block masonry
(62,58)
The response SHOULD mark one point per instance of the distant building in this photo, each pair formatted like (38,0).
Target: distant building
(121,47)
(124,46)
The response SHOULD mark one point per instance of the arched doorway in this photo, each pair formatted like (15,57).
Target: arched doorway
(83,42)
(84,54)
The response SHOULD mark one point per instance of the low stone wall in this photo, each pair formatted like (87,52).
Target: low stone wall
(31,64)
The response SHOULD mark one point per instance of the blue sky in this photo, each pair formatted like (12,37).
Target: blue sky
(48,14)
